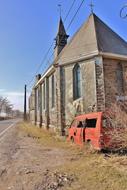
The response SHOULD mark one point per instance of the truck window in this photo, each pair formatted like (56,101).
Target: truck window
(80,124)
(91,123)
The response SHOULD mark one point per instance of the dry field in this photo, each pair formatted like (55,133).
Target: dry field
(34,159)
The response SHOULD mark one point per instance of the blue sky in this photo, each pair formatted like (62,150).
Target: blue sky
(27,29)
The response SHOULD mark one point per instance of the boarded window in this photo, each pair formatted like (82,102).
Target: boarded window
(76,82)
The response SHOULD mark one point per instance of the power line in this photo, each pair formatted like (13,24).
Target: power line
(71,21)
(49,48)
(75,14)
(61,39)
(69,10)
(41,64)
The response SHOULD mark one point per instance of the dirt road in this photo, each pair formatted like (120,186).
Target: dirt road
(5,125)
(34,159)
(27,165)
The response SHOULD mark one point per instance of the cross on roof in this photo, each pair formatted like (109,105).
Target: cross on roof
(91,6)
(60,9)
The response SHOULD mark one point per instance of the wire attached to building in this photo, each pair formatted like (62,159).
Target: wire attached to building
(69,10)
(70,23)
(45,57)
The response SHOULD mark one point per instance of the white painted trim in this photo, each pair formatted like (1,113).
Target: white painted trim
(47,73)
(81,58)
(74,60)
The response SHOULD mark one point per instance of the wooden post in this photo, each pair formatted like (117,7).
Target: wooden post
(25,115)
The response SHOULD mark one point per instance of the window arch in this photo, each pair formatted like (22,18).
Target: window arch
(76,82)
(119,77)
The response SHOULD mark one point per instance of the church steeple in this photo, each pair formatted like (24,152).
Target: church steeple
(61,38)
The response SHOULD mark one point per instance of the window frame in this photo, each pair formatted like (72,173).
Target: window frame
(76,82)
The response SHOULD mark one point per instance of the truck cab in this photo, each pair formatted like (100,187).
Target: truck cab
(91,128)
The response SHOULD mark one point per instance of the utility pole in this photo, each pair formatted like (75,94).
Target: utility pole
(25,115)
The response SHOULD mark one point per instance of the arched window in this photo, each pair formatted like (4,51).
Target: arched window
(119,77)
(53,93)
(76,82)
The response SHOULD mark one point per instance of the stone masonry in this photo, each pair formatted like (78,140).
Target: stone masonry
(101,57)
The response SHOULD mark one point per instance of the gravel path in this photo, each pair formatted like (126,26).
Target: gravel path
(27,165)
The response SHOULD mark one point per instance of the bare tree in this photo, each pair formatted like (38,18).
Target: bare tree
(5,106)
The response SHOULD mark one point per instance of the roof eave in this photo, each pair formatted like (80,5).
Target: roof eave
(113,56)
(78,59)
(47,73)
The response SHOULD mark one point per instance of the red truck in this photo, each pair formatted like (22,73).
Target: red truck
(95,130)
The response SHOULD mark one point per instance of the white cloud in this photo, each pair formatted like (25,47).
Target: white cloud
(2,90)
(18,94)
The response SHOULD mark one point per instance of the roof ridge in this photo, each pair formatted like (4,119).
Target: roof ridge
(84,24)
(109,28)
(94,15)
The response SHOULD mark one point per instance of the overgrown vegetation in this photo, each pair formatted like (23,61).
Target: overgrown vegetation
(43,136)
(117,125)
(91,171)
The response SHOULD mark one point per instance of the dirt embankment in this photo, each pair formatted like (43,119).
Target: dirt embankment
(33,159)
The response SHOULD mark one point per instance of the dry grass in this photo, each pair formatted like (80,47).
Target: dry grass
(43,136)
(91,171)
(96,173)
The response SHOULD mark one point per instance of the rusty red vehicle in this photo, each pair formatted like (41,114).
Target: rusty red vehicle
(93,129)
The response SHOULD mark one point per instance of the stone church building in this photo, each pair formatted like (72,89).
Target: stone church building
(88,74)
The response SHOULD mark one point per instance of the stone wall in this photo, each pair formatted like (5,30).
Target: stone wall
(88,98)
(46,116)
(32,116)
(110,81)
(100,90)
(89,85)
(52,109)
(32,106)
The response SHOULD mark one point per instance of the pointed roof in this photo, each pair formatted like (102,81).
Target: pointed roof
(108,40)
(61,28)
(94,36)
